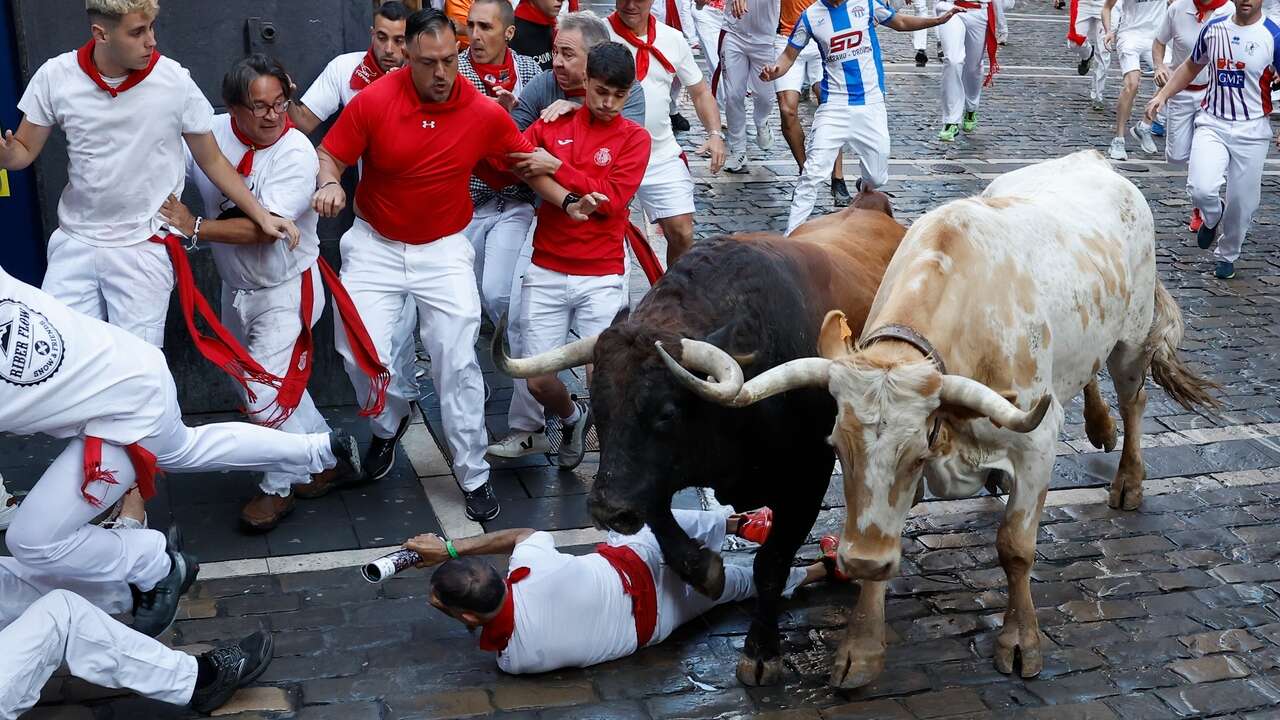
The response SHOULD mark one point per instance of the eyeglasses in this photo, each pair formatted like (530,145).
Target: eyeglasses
(261,111)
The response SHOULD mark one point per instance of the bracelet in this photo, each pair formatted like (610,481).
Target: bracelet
(453,552)
(331,182)
(715,133)
(195,234)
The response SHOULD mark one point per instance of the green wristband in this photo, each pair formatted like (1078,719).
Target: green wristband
(453,552)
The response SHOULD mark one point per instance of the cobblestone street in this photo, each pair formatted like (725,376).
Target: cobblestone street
(1172,611)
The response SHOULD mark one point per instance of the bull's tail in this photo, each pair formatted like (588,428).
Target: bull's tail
(1186,388)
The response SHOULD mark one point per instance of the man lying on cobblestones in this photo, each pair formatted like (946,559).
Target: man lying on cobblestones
(524,618)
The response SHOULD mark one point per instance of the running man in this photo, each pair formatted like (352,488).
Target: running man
(1139,21)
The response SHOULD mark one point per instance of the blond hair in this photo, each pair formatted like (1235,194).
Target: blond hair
(115,9)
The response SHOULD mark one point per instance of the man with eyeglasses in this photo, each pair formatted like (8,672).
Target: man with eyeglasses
(263,279)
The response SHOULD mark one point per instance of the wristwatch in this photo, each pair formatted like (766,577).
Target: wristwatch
(569,199)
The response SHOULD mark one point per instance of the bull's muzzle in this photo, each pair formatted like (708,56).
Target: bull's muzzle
(607,514)
(855,561)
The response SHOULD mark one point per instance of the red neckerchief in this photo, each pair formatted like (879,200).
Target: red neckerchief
(501,75)
(637,582)
(643,49)
(144,467)
(84,56)
(580,92)
(1072,36)
(497,632)
(1203,9)
(245,167)
(366,72)
(673,16)
(529,12)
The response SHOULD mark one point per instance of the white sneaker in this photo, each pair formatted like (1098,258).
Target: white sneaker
(764,136)
(1117,150)
(1143,136)
(8,506)
(736,162)
(1097,102)
(519,444)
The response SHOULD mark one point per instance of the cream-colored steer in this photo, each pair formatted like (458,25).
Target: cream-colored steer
(1012,299)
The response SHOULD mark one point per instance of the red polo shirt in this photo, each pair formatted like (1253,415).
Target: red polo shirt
(609,158)
(419,156)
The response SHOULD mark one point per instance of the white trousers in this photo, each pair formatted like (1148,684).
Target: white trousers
(920,38)
(963,39)
(64,627)
(1234,153)
(50,532)
(1091,28)
(1180,125)
(678,602)
(498,231)
(742,60)
(709,22)
(267,322)
(404,351)
(440,277)
(127,286)
(865,128)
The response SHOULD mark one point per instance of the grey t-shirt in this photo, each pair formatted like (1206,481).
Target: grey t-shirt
(543,90)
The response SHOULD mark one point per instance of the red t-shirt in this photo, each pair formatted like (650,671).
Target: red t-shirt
(607,158)
(418,156)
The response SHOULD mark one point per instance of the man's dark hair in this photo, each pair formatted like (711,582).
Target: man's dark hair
(505,12)
(235,84)
(392,10)
(468,584)
(427,20)
(611,64)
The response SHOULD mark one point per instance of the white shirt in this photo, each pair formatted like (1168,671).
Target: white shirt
(332,91)
(1242,63)
(657,88)
(1142,17)
(759,24)
(126,154)
(1179,29)
(570,611)
(852,73)
(65,374)
(283,179)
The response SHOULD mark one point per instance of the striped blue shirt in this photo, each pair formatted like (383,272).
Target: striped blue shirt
(1242,62)
(853,73)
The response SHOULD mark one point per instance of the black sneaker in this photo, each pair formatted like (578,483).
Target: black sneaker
(679,124)
(1083,67)
(155,609)
(839,191)
(236,665)
(482,504)
(381,455)
(922,58)
(1205,235)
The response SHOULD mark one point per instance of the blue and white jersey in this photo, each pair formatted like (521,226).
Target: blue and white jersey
(852,73)
(1242,62)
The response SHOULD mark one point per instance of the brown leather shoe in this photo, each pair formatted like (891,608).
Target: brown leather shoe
(265,511)
(321,484)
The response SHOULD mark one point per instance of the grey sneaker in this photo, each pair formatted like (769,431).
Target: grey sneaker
(573,438)
(237,665)
(1143,136)
(155,609)
(1117,150)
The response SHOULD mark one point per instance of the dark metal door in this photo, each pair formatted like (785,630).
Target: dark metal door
(22,242)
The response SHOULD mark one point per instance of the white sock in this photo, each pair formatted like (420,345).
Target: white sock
(575,417)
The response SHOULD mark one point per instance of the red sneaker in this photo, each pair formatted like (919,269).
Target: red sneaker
(828,545)
(755,525)
(1196,220)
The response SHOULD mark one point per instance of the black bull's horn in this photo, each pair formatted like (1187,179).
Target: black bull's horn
(705,358)
(576,353)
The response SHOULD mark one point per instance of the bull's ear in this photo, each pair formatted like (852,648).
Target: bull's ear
(835,340)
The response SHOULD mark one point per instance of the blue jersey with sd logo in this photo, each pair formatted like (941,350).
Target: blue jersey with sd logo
(852,72)
(1241,63)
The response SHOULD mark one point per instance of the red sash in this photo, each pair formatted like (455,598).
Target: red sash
(497,632)
(144,466)
(245,166)
(643,49)
(715,76)
(1072,36)
(84,57)
(644,253)
(993,67)
(501,75)
(366,72)
(673,16)
(637,581)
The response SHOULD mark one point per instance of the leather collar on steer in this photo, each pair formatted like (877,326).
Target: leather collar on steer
(917,341)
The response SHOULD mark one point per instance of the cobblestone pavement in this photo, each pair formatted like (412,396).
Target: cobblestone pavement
(1171,611)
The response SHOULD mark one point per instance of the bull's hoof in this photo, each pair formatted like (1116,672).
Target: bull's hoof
(712,582)
(857,664)
(1012,655)
(1103,438)
(1126,494)
(754,673)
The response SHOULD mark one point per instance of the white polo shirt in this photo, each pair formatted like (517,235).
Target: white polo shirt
(657,88)
(65,374)
(126,154)
(1140,18)
(332,91)
(1179,29)
(570,611)
(283,179)
(758,25)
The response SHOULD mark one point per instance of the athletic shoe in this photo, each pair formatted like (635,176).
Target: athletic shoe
(736,162)
(755,525)
(236,665)
(1117,150)
(1197,220)
(1085,64)
(519,444)
(8,506)
(1157,129)
(970,121)
(839,191)
(764,136)
(949,132)
(828,545)
(678,123)
(154,610)
(922,58)
(381,455)
(482,504)
(573,438)
(265,511)
(1224,270)
(1143,136)
(1097,102)
(1205,235)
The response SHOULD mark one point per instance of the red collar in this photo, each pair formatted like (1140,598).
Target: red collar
(497,75)
(460,96)
(245,168)
(497,632)
(1203,9)
(529,12)
(84,57)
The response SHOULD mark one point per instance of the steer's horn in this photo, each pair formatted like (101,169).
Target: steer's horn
(574,354)
(791,375)
(726,374)
(971,394)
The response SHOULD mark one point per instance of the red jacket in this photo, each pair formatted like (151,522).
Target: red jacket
(608,158)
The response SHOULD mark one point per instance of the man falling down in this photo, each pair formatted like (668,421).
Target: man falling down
(620,598)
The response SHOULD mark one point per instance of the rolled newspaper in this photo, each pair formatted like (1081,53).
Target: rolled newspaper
(388,565)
